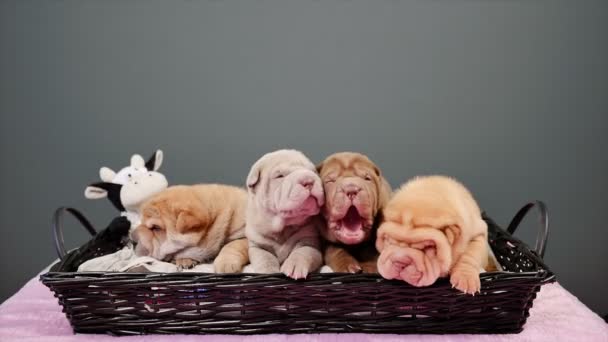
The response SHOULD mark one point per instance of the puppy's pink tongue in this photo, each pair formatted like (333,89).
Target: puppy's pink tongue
(310,203)
(352,219)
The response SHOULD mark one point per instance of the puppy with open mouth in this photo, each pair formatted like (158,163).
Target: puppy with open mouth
(433,228)
(355,193)
(188,225)
(284,199)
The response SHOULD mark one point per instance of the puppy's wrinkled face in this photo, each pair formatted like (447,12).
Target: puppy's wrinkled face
(285,184)
(168,227)
(427,226)
(417,255)
(355,192)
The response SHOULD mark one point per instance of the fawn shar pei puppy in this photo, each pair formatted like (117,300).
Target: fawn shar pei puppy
(188,225)
(433,228)
(285,196)
(355,193)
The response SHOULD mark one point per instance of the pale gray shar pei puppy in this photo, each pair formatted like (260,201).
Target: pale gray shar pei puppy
(285,195)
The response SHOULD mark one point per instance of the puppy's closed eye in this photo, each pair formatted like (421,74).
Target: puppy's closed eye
(155,228)
(278,174)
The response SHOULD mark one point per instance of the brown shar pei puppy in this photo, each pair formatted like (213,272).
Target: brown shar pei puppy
(355,193)
(188,225)
(433,228)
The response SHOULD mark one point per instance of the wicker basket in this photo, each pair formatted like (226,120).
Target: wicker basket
(201,303)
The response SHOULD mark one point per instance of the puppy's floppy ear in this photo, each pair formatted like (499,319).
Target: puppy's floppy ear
(384,193)
(186,221)
(319,167)
(452,233)
(254,177)
(377,170)
(482,226)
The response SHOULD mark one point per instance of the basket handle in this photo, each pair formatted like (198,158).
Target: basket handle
(543,232)
(58,227)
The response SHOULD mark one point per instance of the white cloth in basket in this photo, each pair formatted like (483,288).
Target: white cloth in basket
(125,260)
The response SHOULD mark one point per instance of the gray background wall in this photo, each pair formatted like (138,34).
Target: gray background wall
(509,96)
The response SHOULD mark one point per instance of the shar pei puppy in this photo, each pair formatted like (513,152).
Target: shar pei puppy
(433,228)
(284,199)
(355,193)
(188,225)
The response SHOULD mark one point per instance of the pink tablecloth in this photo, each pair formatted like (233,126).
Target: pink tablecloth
(33,314)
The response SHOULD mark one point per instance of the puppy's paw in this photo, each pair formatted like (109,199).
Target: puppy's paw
(294,268)
(352,267)
(223,265)
(185,263)
(369,267)
(466,280)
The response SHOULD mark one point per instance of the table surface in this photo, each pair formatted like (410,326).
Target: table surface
(33,314)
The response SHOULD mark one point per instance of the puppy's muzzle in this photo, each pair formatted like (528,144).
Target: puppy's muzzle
(351,190)
(418,260)
(307,182)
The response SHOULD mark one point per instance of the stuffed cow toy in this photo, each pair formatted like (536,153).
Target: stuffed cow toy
(128,188)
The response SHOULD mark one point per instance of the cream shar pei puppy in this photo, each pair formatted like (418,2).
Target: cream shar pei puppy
(188,225)
(285,197)
(433,228)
